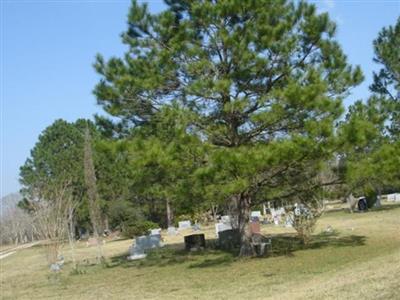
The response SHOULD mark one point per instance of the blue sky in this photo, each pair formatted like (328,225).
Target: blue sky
(48,47)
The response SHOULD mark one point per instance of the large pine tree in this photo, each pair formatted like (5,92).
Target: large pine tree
(263,81)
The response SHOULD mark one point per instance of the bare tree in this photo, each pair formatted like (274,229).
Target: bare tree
(51,216)
(305,216)
(17,226)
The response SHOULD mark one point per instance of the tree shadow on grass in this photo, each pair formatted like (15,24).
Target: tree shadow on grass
(346,210)
(282,245)
(175,254)
(385,207)
(287,244)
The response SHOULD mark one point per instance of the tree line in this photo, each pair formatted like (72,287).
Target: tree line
(220,106)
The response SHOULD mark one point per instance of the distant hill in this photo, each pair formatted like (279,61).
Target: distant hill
(9,202)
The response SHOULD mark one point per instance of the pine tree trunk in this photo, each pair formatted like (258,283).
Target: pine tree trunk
(243,202)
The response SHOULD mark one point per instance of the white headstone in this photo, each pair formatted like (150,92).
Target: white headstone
(394,197)
(155,231)
(256,214)
(184,225)
(221,227)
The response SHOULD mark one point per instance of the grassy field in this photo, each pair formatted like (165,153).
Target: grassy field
(359,259)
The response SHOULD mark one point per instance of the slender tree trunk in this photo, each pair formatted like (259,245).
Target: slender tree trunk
(169,213)
(106,223)
(243,204)
(264,209)
(214,212)
(71,235)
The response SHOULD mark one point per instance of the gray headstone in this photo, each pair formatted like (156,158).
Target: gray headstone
(229,239)
(155,241)
(145,242)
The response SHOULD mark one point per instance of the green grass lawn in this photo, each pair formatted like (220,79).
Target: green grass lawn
(360,259)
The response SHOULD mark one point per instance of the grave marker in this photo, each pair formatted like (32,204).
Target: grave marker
(184,225)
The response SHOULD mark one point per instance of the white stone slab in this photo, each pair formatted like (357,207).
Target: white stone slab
(256,213)
(136,256)
(155,231)
(221,227)
(184,225)
(393,197)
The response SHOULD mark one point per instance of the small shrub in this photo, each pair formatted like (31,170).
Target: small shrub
(132,228)
(77,271)
(371,197)
(304,219)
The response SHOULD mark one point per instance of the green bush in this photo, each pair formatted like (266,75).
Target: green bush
(134,227)
(129,219)
(371,197)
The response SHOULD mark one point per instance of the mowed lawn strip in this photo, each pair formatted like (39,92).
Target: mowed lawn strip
(360,259)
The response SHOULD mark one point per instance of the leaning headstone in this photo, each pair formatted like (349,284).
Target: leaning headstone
(184,225)
(195,242)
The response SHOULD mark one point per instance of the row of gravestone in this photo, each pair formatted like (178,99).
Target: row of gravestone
(228,237)
(183,225)
(145,242)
